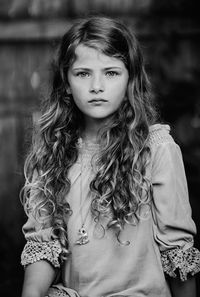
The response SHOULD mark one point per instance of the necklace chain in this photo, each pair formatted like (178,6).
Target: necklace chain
(82,232)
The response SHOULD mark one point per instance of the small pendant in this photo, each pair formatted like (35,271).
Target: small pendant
(83,236)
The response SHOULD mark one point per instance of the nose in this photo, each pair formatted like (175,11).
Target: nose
(97,84)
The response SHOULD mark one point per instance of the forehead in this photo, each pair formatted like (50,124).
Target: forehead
(91,57)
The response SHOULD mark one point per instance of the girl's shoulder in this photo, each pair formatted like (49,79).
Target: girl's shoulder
(159,134)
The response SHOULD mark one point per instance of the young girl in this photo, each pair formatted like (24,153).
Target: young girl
(105,193)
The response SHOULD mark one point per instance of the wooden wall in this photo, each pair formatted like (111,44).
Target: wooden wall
(29,30)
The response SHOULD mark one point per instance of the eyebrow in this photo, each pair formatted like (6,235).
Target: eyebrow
(89,69)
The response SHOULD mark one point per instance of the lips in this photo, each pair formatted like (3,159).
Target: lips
(96,100)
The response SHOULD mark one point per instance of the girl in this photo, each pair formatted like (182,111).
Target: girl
(105,193)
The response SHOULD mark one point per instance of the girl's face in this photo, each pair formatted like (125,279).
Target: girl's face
(97,82)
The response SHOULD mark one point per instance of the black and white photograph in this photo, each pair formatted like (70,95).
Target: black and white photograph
(99,148)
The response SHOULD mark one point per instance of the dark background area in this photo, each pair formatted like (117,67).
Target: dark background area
(169,32)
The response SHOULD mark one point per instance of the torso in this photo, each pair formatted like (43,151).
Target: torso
(104,266)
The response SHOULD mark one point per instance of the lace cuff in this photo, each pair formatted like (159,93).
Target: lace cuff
(54,292)
(186,262)
(60,291)
(35,251)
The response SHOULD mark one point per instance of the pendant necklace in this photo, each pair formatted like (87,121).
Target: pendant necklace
(82,232)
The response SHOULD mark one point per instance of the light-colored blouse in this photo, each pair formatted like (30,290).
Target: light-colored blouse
(161,243)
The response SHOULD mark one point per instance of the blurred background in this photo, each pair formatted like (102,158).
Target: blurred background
(169,32)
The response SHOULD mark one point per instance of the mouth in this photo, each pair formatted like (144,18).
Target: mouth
(97,100)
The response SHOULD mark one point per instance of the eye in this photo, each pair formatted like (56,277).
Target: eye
(112,73)
(83,74)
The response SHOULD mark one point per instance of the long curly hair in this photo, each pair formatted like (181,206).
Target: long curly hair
(120,185)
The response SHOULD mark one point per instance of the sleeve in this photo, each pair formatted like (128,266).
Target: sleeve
(41,244)
(174,228)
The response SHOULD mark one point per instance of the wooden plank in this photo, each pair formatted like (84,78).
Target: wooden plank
(24,72)
(112,7)
(18,108)
(4,7)
(34,8)
(33,30)
(65,8)
(49,30)
(12,135)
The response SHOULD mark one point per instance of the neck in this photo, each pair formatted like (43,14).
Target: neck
(92,127)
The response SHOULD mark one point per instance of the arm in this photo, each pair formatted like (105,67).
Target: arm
(37,279)
(41,253)
(180,288)
(174,228)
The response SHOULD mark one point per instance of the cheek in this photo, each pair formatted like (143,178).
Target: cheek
(78,98)
(75,91)
(78,89)
(120,90)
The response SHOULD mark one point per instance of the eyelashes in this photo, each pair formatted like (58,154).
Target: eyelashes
(112,73)
(82,74)
(87,74)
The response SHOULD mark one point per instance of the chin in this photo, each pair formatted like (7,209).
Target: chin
(101,117)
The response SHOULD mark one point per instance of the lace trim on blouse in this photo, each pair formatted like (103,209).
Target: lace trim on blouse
(182,261)
(35,251)
(159,134)
(88,154)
